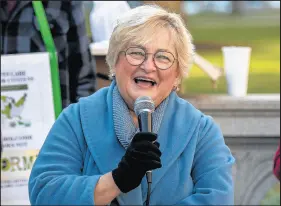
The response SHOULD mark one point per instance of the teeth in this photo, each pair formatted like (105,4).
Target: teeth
(144,79)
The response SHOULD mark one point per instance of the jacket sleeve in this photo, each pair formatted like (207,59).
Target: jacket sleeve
(82,66)
(212,168)
(56,177)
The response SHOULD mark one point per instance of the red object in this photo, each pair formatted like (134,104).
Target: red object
(276,167)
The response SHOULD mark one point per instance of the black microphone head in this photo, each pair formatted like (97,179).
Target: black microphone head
(143,103)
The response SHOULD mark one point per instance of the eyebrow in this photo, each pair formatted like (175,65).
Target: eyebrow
(137,45)
(164,50)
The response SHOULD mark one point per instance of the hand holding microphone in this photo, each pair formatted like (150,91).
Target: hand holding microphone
(141,156)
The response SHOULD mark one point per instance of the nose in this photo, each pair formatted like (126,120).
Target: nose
(148,65)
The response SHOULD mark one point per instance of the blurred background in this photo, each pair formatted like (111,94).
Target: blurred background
(256,24)
(214,24)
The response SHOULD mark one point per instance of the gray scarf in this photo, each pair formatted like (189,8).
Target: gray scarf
(123,122)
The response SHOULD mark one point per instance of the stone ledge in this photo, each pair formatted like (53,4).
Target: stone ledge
(223,102)
(250,116)
(249,126)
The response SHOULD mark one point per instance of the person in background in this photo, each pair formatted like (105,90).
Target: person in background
(276,163)
(95,153)
(20,34)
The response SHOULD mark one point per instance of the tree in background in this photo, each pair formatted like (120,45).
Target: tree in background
(134,4)
(174,6)
(237,7)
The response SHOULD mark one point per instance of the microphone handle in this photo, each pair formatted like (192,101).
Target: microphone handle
(145,125)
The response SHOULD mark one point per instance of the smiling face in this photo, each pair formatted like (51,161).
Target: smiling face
(135,81)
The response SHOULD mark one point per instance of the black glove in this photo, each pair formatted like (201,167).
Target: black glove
(141,156)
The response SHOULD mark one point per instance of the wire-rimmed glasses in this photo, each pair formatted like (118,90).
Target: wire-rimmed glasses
(162,59)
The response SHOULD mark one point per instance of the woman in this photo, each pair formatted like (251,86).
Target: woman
(95,154)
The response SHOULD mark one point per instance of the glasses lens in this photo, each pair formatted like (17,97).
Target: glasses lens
(163,60)
(135,56)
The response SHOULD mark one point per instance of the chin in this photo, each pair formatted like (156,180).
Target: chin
(142,93)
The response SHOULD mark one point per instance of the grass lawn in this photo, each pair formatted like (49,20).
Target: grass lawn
(259,31)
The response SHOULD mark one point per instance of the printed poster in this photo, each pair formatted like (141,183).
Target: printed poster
(27,114)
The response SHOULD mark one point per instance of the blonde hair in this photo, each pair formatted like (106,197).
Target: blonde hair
(138,26)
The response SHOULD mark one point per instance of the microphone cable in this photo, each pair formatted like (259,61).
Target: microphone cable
(149,181)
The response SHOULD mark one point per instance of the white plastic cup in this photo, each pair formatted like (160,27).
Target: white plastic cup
(236,68)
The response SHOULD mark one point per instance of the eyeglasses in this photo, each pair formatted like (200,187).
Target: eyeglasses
(162,59)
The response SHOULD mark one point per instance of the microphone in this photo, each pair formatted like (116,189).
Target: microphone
(143,107)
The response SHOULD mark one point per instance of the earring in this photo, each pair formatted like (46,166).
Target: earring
(176,85)
(112,76)
(175,88)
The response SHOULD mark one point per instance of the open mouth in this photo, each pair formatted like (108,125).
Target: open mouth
(144,81)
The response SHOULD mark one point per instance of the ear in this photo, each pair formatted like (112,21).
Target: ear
(176,84)
(178,79)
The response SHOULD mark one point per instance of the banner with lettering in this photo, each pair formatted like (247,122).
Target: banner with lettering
(27,114)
